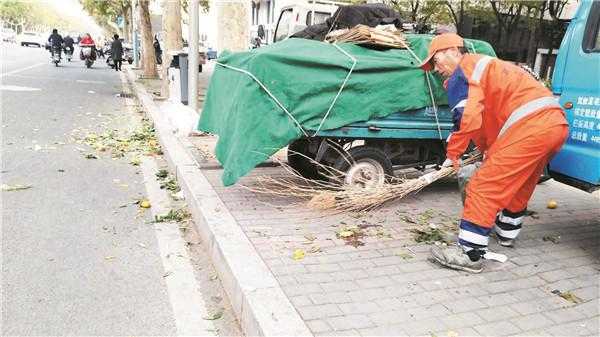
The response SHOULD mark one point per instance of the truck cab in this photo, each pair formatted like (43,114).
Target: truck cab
(576,83)
(295,18)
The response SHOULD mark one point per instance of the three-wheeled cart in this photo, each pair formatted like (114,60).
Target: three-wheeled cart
(368,152)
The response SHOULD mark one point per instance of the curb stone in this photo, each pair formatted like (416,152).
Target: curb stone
(257,299)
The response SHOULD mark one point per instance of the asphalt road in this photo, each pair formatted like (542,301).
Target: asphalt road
(74,262)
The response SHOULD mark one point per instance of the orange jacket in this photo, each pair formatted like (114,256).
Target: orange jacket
(484,92)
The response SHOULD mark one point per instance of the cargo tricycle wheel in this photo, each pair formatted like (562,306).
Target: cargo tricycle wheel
(364,166)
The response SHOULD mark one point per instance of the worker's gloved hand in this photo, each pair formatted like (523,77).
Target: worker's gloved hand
(447,163)
(452,163)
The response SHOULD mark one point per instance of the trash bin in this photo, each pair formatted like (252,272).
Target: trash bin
(183,71)
(182,60)
(174,76)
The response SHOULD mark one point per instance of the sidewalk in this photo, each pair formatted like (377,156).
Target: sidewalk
(386,285)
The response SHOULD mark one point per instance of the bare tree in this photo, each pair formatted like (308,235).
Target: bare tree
(420,11)
(508,14)
(172,39)
(148,55)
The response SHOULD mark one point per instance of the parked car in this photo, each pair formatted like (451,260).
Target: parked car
(211,54)
(9,35)
(30,38)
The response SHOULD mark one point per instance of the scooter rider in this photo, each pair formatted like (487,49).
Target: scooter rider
(87,41)
(68,43)
(56,41)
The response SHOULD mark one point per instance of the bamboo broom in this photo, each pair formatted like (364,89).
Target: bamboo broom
(336,197)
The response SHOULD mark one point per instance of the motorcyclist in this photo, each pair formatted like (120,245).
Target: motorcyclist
(55,41)
(87,41)
(68,44)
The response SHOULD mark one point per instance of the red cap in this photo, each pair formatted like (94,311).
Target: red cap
(441,42)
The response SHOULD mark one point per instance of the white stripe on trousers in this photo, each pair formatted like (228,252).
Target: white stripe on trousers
(511,221)
(471,237)
(508,234)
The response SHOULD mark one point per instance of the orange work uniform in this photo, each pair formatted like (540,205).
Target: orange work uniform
(518,125)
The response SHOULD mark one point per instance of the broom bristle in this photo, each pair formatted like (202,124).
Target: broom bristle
(337,197)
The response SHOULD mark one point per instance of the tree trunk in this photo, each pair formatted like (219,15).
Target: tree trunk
(148,56)
(460,29)
(172,39)
(126,24)
(233,33)
(532,46)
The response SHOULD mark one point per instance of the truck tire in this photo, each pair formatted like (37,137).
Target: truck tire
(364,166)
(297,154)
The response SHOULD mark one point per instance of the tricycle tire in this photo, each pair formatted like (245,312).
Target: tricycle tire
(372,160)
(297,159)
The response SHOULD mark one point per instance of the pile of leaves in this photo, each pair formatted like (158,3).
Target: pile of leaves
(426,231)
(354,235)
(141,141)
(177,215)
(167,181)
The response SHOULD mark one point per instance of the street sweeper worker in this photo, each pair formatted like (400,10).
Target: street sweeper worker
(515,122)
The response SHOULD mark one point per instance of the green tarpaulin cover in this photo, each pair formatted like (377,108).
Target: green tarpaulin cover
(305,76)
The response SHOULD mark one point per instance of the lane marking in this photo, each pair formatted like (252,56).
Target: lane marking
(17,88)
(22,69)
(90,82)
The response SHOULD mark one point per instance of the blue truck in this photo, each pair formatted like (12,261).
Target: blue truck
(576,83)
(374,149)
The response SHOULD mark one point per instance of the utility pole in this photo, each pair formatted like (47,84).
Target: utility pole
(193,61)
(134,29)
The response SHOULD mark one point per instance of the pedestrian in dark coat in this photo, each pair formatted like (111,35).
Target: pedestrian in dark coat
(116,52)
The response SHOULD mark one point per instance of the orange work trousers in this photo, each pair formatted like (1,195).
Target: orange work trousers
(513,165)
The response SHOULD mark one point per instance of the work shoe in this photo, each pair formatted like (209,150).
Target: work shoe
(504,242)
(454,257)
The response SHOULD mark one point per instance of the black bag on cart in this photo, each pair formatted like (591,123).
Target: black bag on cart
(370,15)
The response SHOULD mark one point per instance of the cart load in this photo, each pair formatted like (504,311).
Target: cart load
(260,101)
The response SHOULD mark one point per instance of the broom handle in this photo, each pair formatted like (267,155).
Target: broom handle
(446,171)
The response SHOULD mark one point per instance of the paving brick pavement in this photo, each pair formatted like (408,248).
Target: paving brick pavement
(388,287)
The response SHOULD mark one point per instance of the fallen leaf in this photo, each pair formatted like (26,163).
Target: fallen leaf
(345,234)
(142,245)
(214,316)
(145,204)
(315,249)
(108,258)
(162,173)
(213,277)
(404,255)
(16,187)
(310,237)
(298,254)
(569,296)
(135,161)
(554,238)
